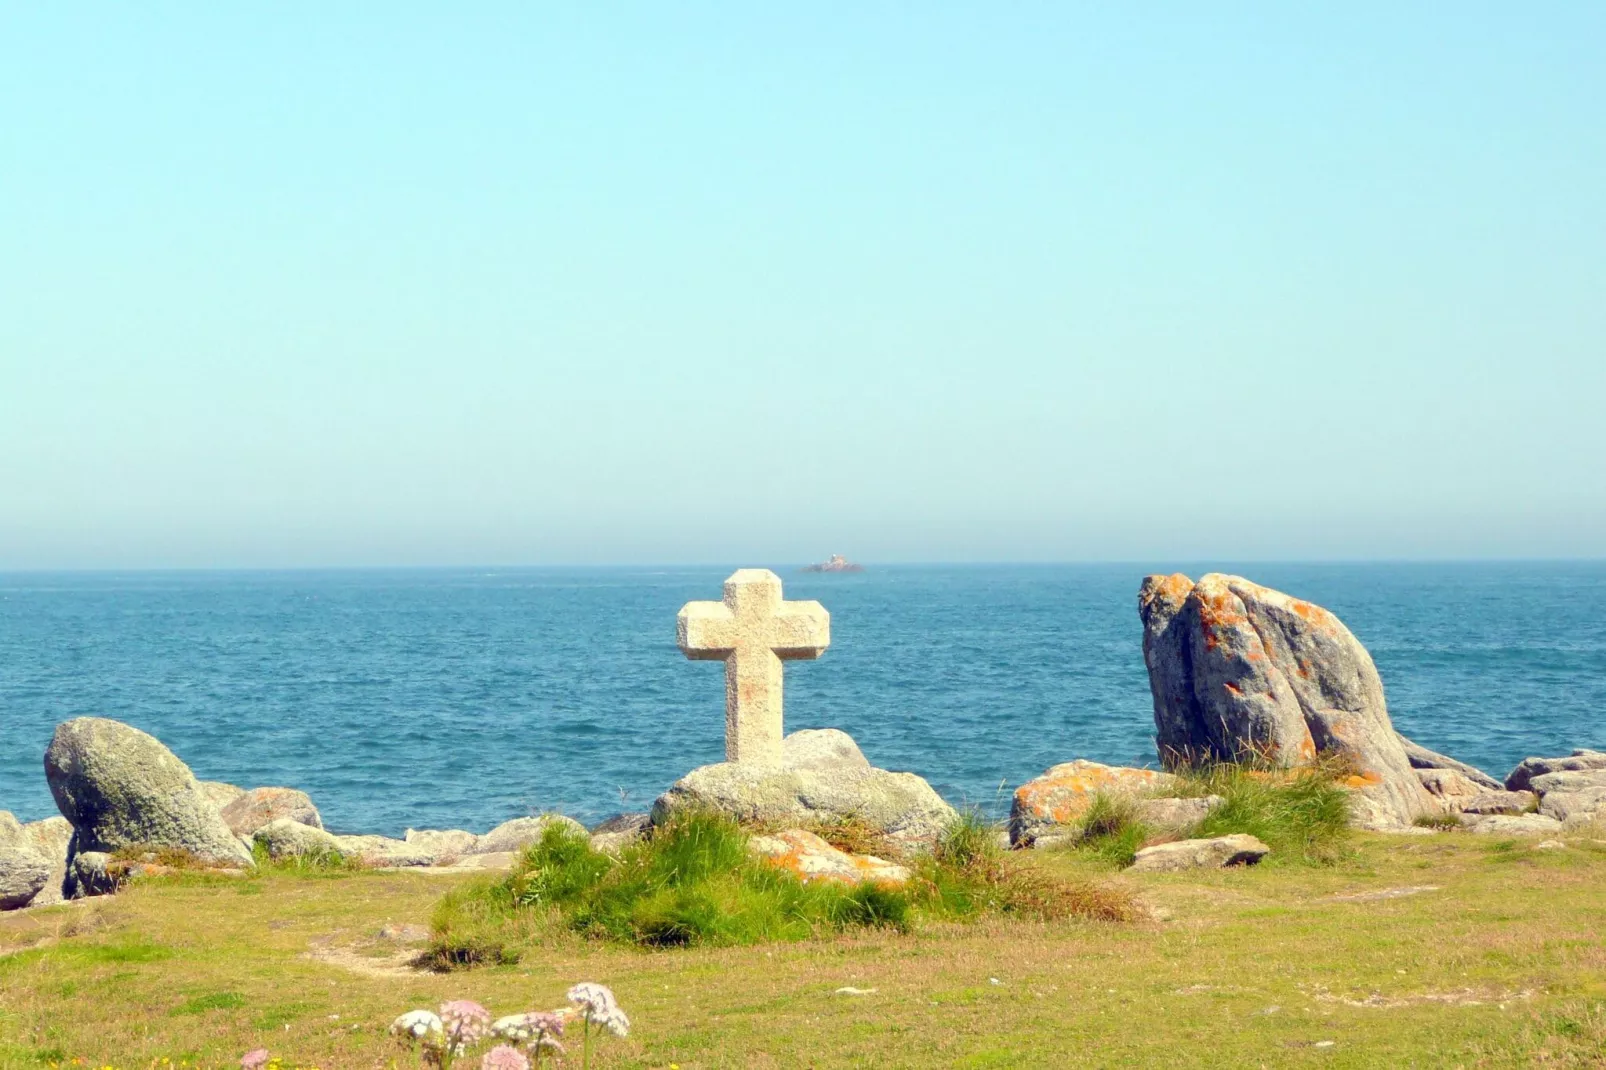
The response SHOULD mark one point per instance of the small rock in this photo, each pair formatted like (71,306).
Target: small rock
(1062,795)
(616,833)
(253,809)
(442,844)
(382,851)
(1452,789)
(519,833)
(24,871)
(849,990)
(1177,813)
(88,874)
(811,858)
(52,838)
(1549,845)
(1501,802)
(821,748)
(404,934)
(287,838)
(1238,849)
(1517,825)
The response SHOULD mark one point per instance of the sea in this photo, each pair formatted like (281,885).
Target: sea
(460,698)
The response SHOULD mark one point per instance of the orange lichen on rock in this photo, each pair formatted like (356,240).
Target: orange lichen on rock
(809,858)
(1364,779)
(1064,793)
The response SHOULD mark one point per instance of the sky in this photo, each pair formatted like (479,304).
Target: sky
(302,284)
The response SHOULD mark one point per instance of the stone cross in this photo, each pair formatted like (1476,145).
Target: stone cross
(752,631)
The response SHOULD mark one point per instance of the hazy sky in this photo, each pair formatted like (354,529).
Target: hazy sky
(304,284)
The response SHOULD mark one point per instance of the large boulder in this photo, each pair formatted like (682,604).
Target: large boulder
(251,810)
(1568,780)
(1574,808)
(1242,672)
(901,807)
(24,871)
(52,838)
(1580,761)
(122,788)
(1060,796)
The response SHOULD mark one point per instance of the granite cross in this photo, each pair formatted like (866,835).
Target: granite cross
(752,631)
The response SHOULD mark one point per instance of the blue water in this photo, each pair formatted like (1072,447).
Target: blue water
(463,698)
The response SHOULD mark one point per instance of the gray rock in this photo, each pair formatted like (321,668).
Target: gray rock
(1580,780)
(287,838)
(519,833)
(900,806)
(1501,802)
(24,871)
(1177,813)
(1238,849)
(1581,761)
(442,843)
(1422,758)
(121,788)
(1048,808)
(1573,807)
(87,875)
(821,748)
(253,809)
(383,852)
(219,793)
(1241,671)
(1515,825)
(52,838)
(616,833)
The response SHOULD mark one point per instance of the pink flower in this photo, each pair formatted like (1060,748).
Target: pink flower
(465,1023)
(503,1057)
(254,1060)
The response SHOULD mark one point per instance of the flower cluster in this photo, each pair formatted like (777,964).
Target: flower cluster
(462,1024)
(598,1007)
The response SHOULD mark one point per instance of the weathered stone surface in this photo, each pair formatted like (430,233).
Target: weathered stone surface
(1235,850)
(382,851)
(1580,761)
(1580,780)
(1176,813)
(901,807)
(1515,825)
(820,748)
(1422,758)
(617,833)
(287,838)
(87,875)
(52,838)
(251,810)
(519,833)
(811,858)
(752,630)
(24,871)
(442,843)
(120,788)
(1450,789)
(1238,670)
(1501,802)
(1574,807)
(1060,796)
(219,793)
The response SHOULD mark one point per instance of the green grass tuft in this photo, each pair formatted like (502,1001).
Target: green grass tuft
(1446,822)
(1302,815)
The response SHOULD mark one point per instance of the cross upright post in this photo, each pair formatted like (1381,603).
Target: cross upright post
(752,631)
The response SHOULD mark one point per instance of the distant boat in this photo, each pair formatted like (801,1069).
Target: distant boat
(835,563)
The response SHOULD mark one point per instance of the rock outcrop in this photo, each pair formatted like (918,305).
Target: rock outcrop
(251,810)
(810,858)
(1239,671)
(1239,849)
(620,831)
(122,788)
(519,833)
(287,838)
(24,870)
(52,838)
(1422,758)
(1048,804)
(1580,761)
(901,807)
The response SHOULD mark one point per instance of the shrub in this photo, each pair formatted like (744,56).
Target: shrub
(1446,822)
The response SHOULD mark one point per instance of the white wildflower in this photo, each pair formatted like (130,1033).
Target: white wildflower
(418,1024)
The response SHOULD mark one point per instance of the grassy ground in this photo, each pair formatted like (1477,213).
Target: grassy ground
(1499,961)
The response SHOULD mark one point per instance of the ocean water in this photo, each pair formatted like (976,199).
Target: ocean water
(461,698)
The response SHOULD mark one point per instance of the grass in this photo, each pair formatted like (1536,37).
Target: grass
(695,883)
(1494,962)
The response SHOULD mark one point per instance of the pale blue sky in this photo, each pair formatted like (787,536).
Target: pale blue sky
(310,284)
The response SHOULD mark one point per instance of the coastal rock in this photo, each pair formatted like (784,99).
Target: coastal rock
(121,787)
(1574,807)
(219,793)
(810,858)
(382,852)
(24,872)
(1582,780)
(1422,758)
(1452,790)
(442,844)
(51,837)
(1061,795)
(1501,802)
(821,748)
(519,833)
(88,874)
(1238,849)
(1177,813)
(1239,671)
(617,833)
(251,810)
(1515,825)
(287,838)
(901,807)
(1580,761)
